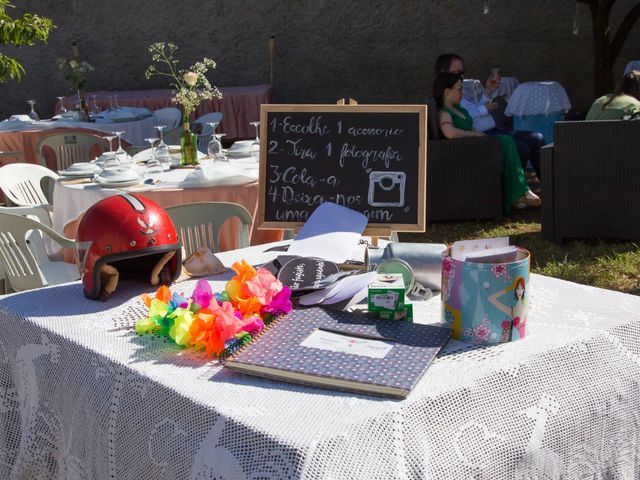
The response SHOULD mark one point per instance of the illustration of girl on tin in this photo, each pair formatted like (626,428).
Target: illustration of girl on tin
(516,314)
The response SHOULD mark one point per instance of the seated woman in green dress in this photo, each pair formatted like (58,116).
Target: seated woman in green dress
(624,101)
(455,122)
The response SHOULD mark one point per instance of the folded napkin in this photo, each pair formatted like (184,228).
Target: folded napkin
(20,118)
(124,113)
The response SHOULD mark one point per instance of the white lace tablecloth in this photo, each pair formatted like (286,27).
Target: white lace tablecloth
(538,98)
(83,397)
(632,65)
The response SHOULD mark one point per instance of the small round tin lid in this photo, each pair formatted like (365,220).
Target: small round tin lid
(397,265)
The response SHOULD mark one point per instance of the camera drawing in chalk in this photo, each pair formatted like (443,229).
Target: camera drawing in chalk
(386,189)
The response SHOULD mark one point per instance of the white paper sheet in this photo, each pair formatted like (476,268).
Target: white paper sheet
(331,232)
(461,248)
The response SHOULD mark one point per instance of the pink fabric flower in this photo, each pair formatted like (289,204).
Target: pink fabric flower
(253,324)
(281,303)
(202,294)
(263,286)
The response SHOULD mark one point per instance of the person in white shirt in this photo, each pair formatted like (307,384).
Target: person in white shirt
(528,143)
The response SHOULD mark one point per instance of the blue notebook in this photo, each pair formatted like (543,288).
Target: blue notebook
(342,350)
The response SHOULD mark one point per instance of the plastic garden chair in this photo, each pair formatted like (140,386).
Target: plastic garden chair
(169,117)
(22,183)
(207,131)
(24,268)
(198,224)
(70,147)
(172,136)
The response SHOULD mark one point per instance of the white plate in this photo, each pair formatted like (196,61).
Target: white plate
(84,167)
(118,184)
(242,145)
(117,174)
(240,153)
(66,173)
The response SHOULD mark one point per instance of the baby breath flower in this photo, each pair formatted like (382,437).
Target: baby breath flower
(76,73)
(191,85)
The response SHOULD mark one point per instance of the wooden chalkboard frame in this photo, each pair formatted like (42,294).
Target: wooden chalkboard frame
(377,229)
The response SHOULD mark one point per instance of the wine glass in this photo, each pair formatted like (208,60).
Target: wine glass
(213,148)
(60,109)
(110,102)
(160,128)
(32,112)
(95,109)
(162,150)
(116,105)
(109,138)
(152,143)
(220,156)
(120,150)
(255,146)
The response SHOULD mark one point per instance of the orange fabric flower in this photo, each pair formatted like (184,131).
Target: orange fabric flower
(163,294)
(243,270)
(211,327)
(249,306)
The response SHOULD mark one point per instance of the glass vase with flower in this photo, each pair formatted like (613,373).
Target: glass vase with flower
(76,72)
(191,87)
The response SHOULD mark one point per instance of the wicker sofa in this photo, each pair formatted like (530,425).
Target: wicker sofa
(463,175)
(591,177)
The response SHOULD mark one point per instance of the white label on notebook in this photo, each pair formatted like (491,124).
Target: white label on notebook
(345,343)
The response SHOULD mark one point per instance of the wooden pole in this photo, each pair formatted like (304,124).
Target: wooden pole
(272,57)
(75,53)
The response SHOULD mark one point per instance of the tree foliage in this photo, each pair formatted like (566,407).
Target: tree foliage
(25,30)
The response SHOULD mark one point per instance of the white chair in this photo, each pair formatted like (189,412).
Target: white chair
(22,184)
(40,213)
(70,147)
(198,224)
(207,131)
(25,269)
(169,117)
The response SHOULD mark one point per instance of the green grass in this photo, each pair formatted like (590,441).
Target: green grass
(610,264)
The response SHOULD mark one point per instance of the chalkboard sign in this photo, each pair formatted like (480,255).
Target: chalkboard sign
(370,158)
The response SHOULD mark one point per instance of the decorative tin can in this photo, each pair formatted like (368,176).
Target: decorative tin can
(486,303)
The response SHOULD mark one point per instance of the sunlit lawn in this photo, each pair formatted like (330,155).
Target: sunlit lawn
(602,263)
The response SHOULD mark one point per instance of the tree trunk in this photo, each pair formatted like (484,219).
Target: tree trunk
(605,50)
(603,66)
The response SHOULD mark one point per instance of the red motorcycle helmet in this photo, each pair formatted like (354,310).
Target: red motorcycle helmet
(129,236)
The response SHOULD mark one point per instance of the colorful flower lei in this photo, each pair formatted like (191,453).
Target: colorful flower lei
(207,320)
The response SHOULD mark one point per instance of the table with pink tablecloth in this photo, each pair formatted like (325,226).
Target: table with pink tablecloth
(23,137)
(239,105)
(72,199)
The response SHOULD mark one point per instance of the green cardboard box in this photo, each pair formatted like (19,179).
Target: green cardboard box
(405,313)
(386,293)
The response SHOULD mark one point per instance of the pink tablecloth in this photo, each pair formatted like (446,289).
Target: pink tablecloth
(24,141)
(239,105)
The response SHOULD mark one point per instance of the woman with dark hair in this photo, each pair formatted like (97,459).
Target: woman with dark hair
(455,122)
(624,101)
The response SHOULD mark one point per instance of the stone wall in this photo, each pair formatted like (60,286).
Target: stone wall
(375,51)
